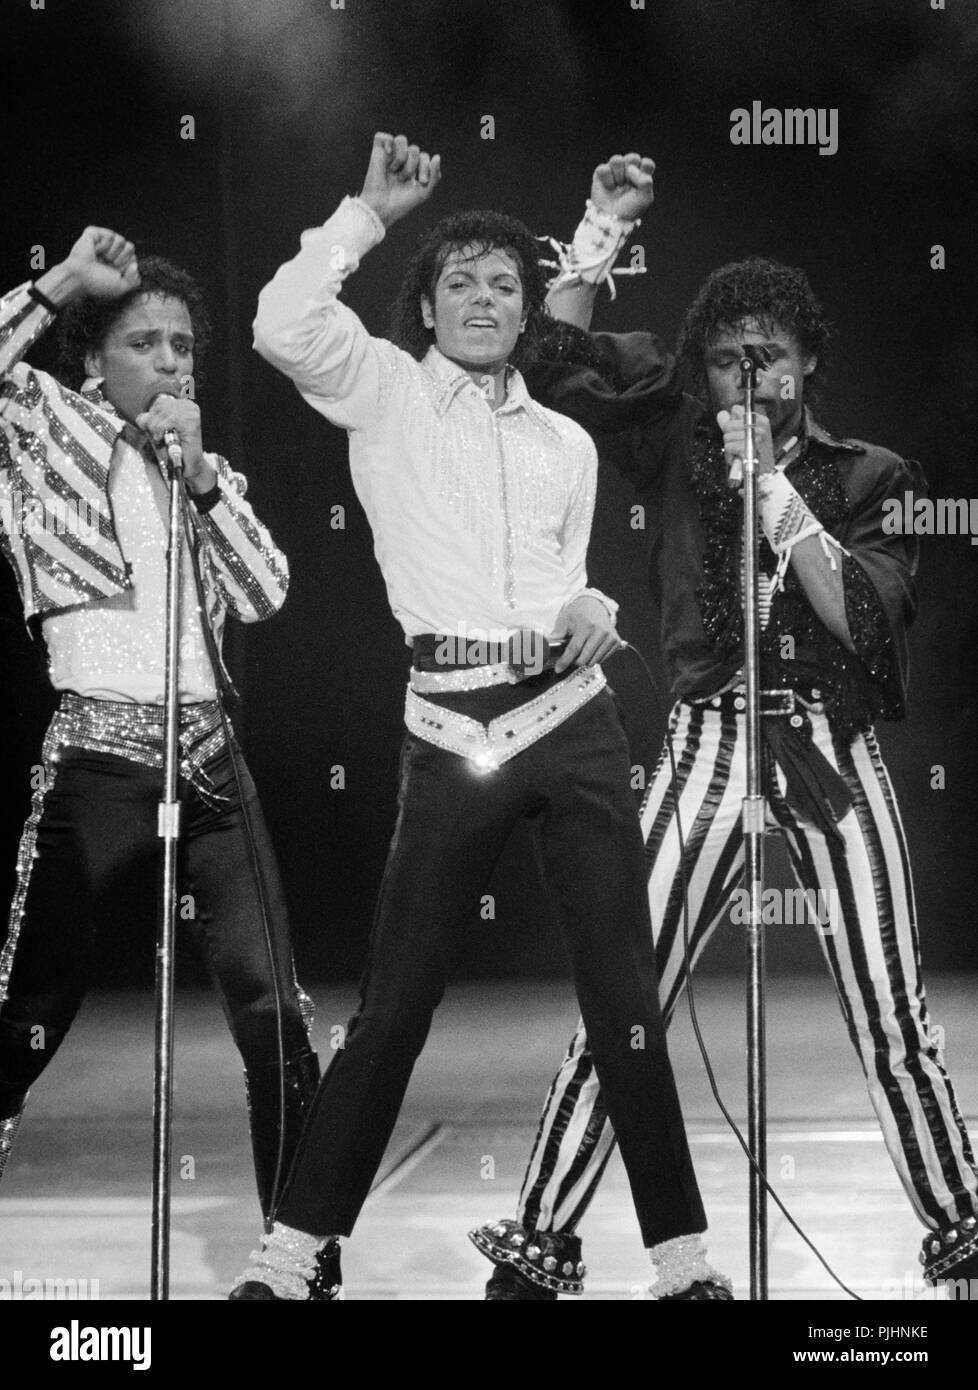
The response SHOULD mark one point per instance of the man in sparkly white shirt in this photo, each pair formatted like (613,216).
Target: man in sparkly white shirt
(83,506)
(480,502)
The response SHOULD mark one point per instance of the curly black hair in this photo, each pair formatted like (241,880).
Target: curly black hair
(83,325)
(771,293)
(477,232)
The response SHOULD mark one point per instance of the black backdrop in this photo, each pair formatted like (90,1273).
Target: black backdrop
(285,96)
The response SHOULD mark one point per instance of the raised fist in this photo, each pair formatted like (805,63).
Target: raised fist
(102,264)
(399,177)
(623,186)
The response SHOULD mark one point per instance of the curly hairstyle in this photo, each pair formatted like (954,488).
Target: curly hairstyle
(477,232)
(84,324)
(772,293)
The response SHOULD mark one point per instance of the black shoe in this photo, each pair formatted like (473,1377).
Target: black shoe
(550,1260)
(508,1285)
(324,1285)
(951,1253)
(699,1290)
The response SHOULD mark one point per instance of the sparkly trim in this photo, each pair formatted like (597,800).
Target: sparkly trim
(680,1263)
(944,1251)
(853,699)
(27,852)
(8,1132)
(510,734)
(549,1259)
(292,1263)
(476,678)
(136,732)
(129,731)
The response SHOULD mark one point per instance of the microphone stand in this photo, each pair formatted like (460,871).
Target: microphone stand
(753,817)
(168,830)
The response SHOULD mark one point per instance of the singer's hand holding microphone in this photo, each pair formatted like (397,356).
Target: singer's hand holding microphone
(734,426)
(175,420)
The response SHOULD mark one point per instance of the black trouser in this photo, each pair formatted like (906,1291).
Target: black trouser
(97,856)
(452,826)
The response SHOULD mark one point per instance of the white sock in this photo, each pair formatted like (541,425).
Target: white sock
(286,1261)
(679,1263)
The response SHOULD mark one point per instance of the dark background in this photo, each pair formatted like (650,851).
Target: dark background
(285,96)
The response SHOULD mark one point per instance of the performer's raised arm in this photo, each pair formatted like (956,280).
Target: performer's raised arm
(301,326)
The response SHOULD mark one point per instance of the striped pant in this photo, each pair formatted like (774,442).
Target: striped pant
(869,941)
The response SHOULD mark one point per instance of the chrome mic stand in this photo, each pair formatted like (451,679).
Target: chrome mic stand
(168,830)
(753,818)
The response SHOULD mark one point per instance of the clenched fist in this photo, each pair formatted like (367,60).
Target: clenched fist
(734,427)
(101,263)
(400,177)
(181,415)
(623,186)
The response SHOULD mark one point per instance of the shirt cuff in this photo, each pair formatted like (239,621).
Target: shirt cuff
(377,226)
(609,603)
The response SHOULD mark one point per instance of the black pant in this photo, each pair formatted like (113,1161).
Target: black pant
(98,852)
(452,826)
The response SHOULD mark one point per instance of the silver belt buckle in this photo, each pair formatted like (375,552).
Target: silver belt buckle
(785,698)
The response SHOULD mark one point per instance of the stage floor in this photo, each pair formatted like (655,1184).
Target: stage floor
(75,1202)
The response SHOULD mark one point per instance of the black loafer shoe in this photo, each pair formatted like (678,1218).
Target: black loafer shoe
(699,1290)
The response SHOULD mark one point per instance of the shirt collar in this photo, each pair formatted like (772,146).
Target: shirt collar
(449,378)
(91,390)
(815,432)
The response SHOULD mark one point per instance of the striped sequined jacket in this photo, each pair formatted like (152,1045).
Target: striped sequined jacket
(55,451)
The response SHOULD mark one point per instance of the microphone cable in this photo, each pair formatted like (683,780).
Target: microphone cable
(224,685)
(688,977)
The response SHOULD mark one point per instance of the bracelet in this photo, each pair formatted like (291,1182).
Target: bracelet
(41,298)
(590,257)
(786,520)
(207,501)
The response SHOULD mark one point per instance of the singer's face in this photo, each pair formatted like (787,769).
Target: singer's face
(477,311)
(148,350)
(780,387)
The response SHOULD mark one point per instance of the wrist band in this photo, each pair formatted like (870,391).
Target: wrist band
(786,520)
(206,501)
(41,298)
(590,257)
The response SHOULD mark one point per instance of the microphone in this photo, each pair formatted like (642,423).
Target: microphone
(759,357)
(171,440)
(174,449)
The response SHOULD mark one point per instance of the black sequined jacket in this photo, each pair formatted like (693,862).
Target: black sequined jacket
(622,388)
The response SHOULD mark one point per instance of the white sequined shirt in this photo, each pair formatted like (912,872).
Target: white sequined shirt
(480,517)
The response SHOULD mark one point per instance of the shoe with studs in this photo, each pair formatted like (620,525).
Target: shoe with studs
(548,1260)
(508,1285)
(951,1253)
(291,1265)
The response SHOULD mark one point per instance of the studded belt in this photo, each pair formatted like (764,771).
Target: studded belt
(446,665)
(774,703)
(488,746)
